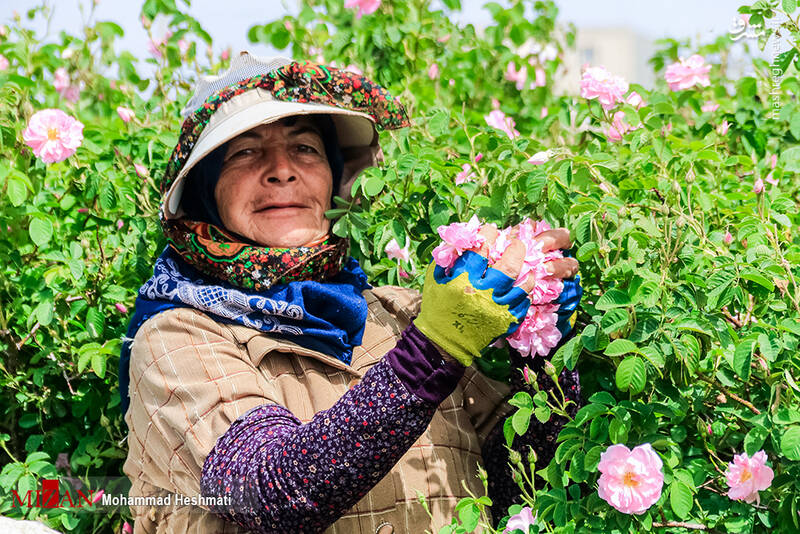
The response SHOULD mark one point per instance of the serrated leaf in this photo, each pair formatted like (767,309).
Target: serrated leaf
(758,278)
(742,357)
(614,320)
(790,443)
(41,230)
(95,322)
(16,191)
(44,312)
(754,440)
(521,419)
(619,347)
(107,197)
(631,375)
(680,498)
(99,364)
(508,431)
(613,298)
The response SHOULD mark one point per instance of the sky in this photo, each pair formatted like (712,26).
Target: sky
(228,21)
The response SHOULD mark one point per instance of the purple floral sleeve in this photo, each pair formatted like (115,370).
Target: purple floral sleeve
(280,473)
(542,437)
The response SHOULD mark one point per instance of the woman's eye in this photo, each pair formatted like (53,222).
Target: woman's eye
(307,148)
(243,152)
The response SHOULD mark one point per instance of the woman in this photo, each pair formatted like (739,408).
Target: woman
(267,379)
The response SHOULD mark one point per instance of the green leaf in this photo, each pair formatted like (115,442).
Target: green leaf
(593,338)
(790,443)
(521,399)
(41,230)
(631,375)
(754,440)
(742,357)
(95,322)
(469,516)
(614,320)
(521,419)
(107,197)
(568,353)
(44,312)
(99,364)
(372,185)
(619,347)
(16,190)
(789,5)
(758,278)
(680,498)
(613,298)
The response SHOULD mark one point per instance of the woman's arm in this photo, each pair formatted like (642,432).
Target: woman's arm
(280,473)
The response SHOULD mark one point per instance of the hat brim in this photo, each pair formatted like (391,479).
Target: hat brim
(256,107)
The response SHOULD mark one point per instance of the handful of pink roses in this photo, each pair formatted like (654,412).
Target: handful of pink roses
(538,332)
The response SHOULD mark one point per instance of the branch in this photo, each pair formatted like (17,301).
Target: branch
(730,394)
(695,526)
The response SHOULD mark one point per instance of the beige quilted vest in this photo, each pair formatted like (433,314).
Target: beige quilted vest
(191,377)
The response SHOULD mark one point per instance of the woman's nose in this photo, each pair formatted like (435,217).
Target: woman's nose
(278,167)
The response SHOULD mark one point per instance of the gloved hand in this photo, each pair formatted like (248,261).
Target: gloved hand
(467,307)
(569,299)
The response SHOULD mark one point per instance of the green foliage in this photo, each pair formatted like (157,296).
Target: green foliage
(686,340)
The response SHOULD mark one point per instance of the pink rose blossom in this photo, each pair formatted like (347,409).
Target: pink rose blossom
(543,113)
(73,92)
(433,71)
(354,69)
(60,80)
(631,480)
(758,186)
(709,106)
(155,44)
(518,76)
(722,129)
(728,239)
(126,528)
(773,160)
(225,54)
(126,114)
(635,100)
(538,333)
(618,127)
(183,46)
(3,62)
(365,7)
(598,83)
(443,39)
(121,307)
(522,521)
(120,224)
(451,82)
(465,175)
(479,157)
(747,476)
(770,179)
(686,73)
(402,273)
(497,119)
(141,170)
(394,252)
(708,429)
(83,210)
(540,157)
(457,237)
(53,135)
(97,496)
(547,288)
(540,79)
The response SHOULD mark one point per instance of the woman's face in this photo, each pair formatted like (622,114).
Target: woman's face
(276,184)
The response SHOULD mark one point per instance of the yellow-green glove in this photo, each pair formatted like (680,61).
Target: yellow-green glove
(466,307)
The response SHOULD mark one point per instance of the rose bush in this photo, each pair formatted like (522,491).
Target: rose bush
(682,200)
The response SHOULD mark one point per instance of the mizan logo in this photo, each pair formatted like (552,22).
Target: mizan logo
(50,496)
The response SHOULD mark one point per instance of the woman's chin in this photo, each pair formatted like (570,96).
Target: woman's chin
(286,237)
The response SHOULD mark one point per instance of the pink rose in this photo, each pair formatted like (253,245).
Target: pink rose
(773,160)
(497,119)
(120,224)
(770,179)
(402,273)
(522,521)
(365,7)
(443,39)
(479,157)
(538,333)
(394,252)
(3,62)
(354,69)
(728,239)
(53,135)
(598,83)
(141,170)
(433,71)
(631,480)
(465,175)
(747,476)
(97,496)
(540,79)
(126,528)
(183,46)
(618,127)
(457,238)
(709,106)
(60,80)
(722,129)
(758,186)
(635,100)
(686,73)
(518,76)
(126,114)
(73,92)
(121,308)
(225,54)
(543,113)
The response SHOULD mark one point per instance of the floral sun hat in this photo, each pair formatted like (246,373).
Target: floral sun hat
(255,91)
